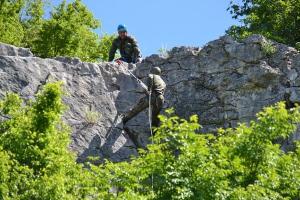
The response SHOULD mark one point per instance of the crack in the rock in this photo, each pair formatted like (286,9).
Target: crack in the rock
(42,83)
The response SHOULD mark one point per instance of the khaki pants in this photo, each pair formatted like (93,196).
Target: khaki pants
(156,105)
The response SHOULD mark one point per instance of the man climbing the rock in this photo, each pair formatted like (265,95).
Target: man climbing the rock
(127,45)
(156,86)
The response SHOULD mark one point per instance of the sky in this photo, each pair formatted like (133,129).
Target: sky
(164,23)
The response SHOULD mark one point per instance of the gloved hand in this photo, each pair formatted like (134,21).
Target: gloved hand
(119,61)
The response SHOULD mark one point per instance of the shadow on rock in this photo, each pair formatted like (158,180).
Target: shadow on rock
(111,141)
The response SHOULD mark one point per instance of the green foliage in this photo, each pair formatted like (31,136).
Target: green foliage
(91,116)
(32,20)
(104,47)
(298,46)
(277,20)
(11,29)
(35,160)
(240,163)
(268,48)
(69,31)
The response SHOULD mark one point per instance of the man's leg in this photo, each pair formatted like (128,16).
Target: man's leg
(157,106)
(142,104)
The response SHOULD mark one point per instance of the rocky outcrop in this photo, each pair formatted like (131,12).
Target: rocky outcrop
(225,82)
(9,50)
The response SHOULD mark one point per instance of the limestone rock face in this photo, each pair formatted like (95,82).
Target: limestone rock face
(225,82)
(9,50)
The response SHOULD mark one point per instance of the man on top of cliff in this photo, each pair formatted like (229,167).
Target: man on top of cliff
(157,87)
(127,45)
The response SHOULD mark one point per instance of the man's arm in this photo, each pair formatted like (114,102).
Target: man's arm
(136,51)
(112,51)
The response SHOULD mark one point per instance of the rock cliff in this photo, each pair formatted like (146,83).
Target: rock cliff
(225,82)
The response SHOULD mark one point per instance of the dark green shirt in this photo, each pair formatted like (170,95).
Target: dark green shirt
(128,49)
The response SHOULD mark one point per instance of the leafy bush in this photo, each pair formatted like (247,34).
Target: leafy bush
(268,48)
(240,163)
(35,160)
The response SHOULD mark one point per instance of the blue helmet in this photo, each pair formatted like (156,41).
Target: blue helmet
(122,28)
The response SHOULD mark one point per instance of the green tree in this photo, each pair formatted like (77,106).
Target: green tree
(32,21)
(69,33)
(278,20)
(11,29)
(104,47)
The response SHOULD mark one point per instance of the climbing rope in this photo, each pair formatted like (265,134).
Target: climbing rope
(149,93)
(150,125)
(118,115)
(137,79)
(149,111)
(150,116)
